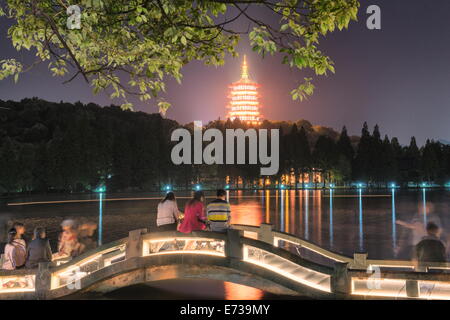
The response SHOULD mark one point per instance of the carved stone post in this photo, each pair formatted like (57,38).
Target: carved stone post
(265,233)
(43,281)
(412,288)
(134,244)
(340,280)
(233,245)
(359,261)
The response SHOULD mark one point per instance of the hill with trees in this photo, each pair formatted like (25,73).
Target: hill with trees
(48,147)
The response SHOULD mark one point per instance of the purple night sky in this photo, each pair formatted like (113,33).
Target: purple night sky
(398,77)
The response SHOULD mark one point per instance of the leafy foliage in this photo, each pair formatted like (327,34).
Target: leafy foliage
(129,48)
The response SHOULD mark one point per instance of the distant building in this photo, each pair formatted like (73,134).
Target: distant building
(243,103)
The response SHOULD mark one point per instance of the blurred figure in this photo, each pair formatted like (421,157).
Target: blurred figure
(218,212)
(417,230)
(5,222)
(15,251)
(430,248)
(194,214)
(20,228)
(168,213)
(39,249)
(86,233)
(68,245)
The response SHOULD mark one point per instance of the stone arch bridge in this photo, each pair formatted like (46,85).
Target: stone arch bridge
(258,257)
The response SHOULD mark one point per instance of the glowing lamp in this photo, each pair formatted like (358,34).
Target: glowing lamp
(100,189)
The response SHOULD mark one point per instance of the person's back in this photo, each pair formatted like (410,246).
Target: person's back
(68,244)
(38,251)
(167,213)
(430,248)
(86,236)
(15,252)
(8,260)
(218,212)
(194,216)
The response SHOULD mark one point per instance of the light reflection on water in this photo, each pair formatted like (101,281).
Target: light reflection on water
(331,218)
(239,292)
(361,232)
(394,224)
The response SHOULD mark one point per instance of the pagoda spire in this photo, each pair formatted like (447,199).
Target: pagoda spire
(244,74)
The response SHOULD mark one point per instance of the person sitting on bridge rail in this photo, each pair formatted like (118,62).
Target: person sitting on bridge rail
(219,212)
(430,248)
(86,232)
(194,214)
(20,228)
(15,251)
(38,250)
(168,213)
(68,245)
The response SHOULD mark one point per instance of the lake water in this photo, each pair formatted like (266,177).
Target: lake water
(342,221)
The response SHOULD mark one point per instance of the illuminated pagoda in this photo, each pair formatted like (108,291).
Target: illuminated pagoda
(244,104)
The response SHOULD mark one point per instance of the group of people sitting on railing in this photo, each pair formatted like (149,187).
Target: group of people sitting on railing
(19,253)
(196,217)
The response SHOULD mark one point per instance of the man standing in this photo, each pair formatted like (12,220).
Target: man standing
(219,212)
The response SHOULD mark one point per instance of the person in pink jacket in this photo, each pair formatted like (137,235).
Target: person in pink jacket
(194,214)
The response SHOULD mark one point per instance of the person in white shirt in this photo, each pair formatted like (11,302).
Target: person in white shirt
(15,252)
(168,213)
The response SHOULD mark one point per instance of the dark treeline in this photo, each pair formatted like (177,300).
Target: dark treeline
(47,146)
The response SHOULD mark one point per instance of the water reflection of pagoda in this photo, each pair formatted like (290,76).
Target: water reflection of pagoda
(244,104)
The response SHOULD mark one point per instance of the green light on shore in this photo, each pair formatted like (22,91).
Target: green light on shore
(197,187)
(394,185)
(100,189)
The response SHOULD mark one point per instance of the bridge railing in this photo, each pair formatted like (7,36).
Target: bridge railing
(70,273)
(249,245)
(359,261)
(400,284)
(360,276)
(233,245)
